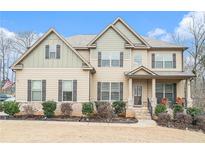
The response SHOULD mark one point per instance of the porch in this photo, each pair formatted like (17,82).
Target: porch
(147,88)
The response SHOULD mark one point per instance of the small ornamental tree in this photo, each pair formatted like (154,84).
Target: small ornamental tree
(164,101)
(48,108)
(179,101)
(11,108)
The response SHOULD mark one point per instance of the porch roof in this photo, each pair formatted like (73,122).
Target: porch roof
(145,73)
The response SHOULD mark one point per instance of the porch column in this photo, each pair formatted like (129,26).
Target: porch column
(154,100)
(130,93)
(188,95)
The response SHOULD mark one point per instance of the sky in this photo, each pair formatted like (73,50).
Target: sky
(72,23)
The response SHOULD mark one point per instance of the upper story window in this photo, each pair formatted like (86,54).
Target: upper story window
(164,60)
(138,59)
(36,90)
(110,59)
(52,51)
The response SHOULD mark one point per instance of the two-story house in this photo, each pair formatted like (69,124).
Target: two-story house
(116,64)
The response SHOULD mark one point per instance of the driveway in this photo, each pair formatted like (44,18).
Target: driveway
(45,131)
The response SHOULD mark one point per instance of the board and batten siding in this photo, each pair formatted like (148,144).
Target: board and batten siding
(127,33)
(110,41)
(36,59)
(52,76)
(85,54)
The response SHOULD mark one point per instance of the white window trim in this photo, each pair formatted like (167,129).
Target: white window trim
(110,59)
(163,61)
(32,92)
(110,91)
(72,90)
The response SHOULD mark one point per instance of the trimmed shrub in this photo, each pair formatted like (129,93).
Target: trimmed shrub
(28,109)
(178,109)
(88,109)
(194,111)
(200,122)
(160,108)
(1,107)
(104,110)
(164,119)
(66,109)
(48,108)
(182,121)
(119,107)
(11,108)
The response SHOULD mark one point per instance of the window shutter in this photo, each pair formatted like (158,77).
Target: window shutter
(175,91)
(99,59)
(43,90)
(59,90)
(47,52)
(99,91)
(74,90)
(121,59)
(58,48)
(29,91)
(153,60)
(121,90)
(174,60)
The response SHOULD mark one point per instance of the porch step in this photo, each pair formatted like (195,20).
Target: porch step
(142,113)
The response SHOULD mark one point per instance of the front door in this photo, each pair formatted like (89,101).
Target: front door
(137,95)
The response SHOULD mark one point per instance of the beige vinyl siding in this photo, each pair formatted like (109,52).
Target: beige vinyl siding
(85,54)
(144,57)
(36,59)
(127,33)
(52,76)
(110,41)
(178,60)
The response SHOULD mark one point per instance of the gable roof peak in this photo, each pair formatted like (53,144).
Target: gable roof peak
(41,39)
(115,29)
(131,30)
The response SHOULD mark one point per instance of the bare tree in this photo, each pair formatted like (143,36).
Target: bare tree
(5,49)
(196,50)
(23,41)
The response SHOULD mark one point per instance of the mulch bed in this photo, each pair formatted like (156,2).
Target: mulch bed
(71,119)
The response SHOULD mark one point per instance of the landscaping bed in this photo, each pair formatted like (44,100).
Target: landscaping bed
(71,119)
(191,118)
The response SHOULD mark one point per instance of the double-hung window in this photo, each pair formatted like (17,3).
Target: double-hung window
(105,91)
(115,91)
(138,59)
(163,61)
(52,52)
(36,90)
(67,90)
(110,59)
(165,90)
(110,91)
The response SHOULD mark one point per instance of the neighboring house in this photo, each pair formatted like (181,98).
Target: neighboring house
(117,64)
